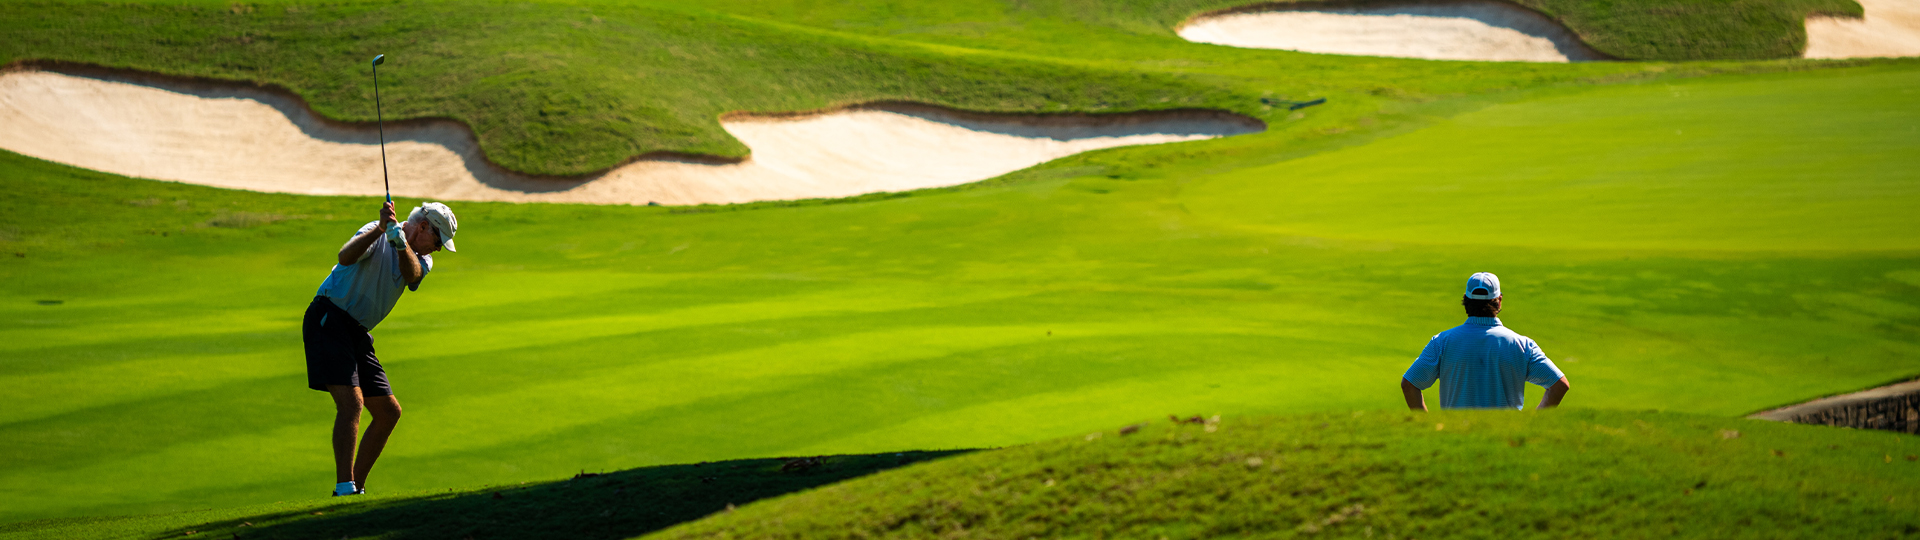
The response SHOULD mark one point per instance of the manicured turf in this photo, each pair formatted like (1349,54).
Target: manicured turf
(1772,163)
(1367,474)
(1094,291)
(575,87)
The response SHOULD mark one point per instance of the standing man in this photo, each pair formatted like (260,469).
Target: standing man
(384,259)
(1481,364)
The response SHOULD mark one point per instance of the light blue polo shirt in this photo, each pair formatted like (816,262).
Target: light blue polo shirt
(369,288)
(1482,365)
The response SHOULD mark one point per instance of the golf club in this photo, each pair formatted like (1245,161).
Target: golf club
(394,236)
(383,126)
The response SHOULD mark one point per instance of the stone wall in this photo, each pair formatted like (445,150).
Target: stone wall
(1893,413)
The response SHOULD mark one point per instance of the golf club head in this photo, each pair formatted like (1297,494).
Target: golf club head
(377,60)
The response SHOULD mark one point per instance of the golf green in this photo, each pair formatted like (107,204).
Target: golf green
(1783,163)
(169,376)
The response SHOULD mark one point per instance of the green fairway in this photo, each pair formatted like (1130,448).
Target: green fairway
(1805,162)
(1095,291)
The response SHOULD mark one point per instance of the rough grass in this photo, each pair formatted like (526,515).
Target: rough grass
(1366,474)
(1560,474)
(1693,29)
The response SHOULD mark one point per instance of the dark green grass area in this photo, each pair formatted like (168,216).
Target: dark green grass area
(1693,29)
(576,87)
(1384,475)
(590,505)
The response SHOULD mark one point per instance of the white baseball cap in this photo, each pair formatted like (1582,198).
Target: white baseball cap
(442,218)
(1483,286)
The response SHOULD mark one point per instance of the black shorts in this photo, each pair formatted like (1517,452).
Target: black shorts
(340,351)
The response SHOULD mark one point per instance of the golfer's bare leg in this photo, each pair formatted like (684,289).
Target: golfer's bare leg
(386,413)
(346,424)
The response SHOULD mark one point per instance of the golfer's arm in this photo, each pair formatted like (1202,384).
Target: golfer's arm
(1415,401)
(357,247)
(410,266)
(1554,393)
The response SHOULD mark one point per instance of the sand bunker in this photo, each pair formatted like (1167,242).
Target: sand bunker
(1466,30)
(246,138)
(1891,28)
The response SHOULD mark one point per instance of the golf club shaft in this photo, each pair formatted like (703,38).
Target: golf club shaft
(382,120)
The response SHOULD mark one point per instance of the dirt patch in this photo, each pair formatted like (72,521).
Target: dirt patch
(1456,30)
(1893,408)
(264,139)
(1890,28)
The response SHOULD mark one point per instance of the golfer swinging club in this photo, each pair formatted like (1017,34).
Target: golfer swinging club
(360,292)
(1481,364)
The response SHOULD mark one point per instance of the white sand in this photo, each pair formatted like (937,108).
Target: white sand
(1464,30)
(1891,28)
(257,140)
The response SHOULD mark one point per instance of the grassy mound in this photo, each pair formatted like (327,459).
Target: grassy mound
(1215,277)
(1576,473)
(1692,30)
(1572,474)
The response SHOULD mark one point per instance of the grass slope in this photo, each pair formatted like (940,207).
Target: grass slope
(1572,474)
(1094,291)
(1575,473)
(575,87)
(620,504)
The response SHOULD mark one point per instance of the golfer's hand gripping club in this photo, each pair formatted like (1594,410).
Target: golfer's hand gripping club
(388,220)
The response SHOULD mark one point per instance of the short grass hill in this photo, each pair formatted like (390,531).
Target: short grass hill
(1578,473)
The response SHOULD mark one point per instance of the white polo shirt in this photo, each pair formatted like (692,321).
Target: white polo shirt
(369,288)
(1482,365)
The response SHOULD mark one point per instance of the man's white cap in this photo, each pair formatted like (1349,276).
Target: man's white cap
(442,218)
(1483,286)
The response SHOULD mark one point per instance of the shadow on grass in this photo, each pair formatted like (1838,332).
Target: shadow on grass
(613,505)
